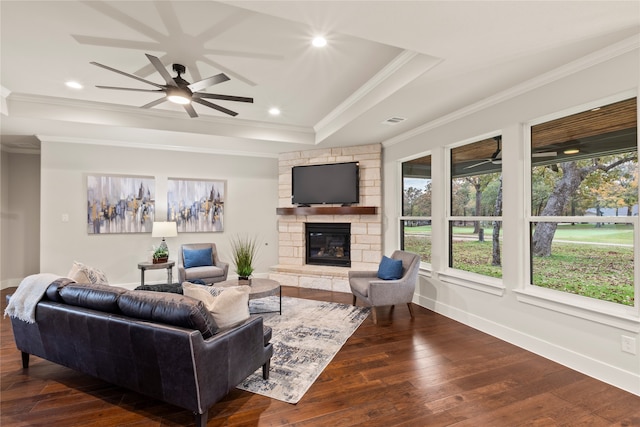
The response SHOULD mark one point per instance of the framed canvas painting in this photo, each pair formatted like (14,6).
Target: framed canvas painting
(196,206)
(120,204)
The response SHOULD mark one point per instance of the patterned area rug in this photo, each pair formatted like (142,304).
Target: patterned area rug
(305,339)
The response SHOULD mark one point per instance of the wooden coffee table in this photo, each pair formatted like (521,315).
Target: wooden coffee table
(260,288)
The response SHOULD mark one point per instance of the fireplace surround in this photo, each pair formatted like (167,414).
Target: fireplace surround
(328,244)
(365,220)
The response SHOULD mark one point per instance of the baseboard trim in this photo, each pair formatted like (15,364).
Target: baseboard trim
(10,283)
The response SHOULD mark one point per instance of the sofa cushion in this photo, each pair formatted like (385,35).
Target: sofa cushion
(198,273)
(390,269)
(53,290)
(197,257)
(170,308)
(96,297)
(229,307)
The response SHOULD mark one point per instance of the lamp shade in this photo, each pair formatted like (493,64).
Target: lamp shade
(164,229)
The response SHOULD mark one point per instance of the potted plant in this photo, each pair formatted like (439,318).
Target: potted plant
(244,250)
(160,255)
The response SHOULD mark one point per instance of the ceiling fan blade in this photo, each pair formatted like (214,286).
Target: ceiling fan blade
(154,103)
(222,97)
(545,154)
(160,68)
(478,164)
(205,83)
(129,88)
(215,107)
(189,109)
(106,67)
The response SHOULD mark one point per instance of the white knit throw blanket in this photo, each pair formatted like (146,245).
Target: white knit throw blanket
(22,304)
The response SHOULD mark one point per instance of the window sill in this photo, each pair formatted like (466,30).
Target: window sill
(606,313)
(477,282)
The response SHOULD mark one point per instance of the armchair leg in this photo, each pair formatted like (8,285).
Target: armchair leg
(373,314)
(25,360)
(354,301)
(410,309)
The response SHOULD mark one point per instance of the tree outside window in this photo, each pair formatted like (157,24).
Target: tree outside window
(475,214)
(415,223)
(584,203)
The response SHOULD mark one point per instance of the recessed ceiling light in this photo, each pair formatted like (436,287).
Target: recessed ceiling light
(571,151)
(73,85)
(319,41)
(274,111)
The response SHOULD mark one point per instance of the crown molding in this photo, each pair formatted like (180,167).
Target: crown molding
(4,94)
(403,69)
(96,113)
(153,146)
(617,49)
(150,113)
(390,69)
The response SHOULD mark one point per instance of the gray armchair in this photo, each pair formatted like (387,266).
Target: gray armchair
(375,292)
(212,270)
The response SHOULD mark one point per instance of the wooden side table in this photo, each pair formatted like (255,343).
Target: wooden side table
(148,265)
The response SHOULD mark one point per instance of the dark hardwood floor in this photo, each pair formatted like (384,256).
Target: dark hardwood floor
(431,371)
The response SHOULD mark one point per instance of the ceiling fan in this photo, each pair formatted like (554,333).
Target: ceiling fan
(496,157)
(178,90)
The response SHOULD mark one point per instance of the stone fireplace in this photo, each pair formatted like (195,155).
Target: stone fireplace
(328,244)
(364,221)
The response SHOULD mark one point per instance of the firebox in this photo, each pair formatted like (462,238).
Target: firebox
(328,244)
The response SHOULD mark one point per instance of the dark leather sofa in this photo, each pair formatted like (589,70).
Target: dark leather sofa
(163,345)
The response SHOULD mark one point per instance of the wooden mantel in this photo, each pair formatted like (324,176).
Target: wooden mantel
(328,210)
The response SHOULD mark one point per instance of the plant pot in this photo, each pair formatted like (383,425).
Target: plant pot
(244,281)
(160,260)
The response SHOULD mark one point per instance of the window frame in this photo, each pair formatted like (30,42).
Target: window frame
(605,312)
(450,275)
(426,266)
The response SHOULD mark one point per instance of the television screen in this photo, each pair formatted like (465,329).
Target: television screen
(325,184)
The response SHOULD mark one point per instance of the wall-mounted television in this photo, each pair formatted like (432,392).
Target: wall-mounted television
(335,183)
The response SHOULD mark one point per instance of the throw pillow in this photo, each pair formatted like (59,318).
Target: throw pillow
(197,257)
(84,274)
(390,269)
(229,308)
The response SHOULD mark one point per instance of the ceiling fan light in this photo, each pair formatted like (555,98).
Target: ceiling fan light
(178,99)
(319,41)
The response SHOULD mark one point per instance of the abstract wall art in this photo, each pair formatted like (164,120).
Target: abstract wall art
(196,205)
(120,204)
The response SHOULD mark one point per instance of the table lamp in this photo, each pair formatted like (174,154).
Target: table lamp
(164,229)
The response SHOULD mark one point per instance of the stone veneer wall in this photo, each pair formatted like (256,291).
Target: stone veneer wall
(366,230)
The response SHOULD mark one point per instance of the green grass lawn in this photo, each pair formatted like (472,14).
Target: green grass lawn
(596,271)
(608,233)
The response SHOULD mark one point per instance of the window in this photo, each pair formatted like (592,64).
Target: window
(415,223)
(584,203)
(475,219)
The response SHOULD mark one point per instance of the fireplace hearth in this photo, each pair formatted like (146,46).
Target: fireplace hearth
(328,244)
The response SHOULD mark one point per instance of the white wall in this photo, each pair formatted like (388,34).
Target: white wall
(590,346)
(250,207)
(20,212)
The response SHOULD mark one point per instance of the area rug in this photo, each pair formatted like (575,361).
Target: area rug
(305,339)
